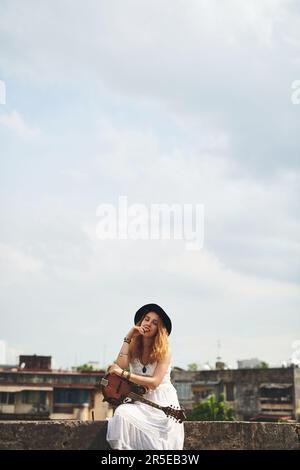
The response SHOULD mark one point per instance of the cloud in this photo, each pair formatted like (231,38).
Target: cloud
(74,174)
(185,102)
(226,65)
(16,264)
(15,122)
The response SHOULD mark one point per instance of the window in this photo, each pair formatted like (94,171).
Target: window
(11,398)
(229,391)
(74,396)
(184,390)
(7,398)
(33,397)
(276,394)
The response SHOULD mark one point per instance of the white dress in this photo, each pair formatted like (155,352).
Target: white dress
(136,426)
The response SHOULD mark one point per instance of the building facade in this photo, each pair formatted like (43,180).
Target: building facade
(33,390)
(258,394)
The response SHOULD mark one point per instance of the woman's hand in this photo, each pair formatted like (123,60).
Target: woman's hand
(138,330)
(115,369)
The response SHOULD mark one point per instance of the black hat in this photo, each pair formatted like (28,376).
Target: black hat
(157,309)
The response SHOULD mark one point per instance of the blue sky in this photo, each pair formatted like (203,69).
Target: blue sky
(164,102)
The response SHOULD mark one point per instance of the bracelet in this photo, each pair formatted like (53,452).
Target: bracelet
(127,340)
(122,372)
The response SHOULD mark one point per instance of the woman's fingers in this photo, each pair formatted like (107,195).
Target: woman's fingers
(145,329)
(142,329)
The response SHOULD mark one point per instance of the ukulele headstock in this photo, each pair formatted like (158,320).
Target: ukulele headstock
(175,412)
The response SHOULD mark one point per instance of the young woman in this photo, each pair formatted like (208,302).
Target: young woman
(146,353)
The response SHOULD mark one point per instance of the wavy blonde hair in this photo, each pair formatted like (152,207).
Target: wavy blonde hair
(160,344)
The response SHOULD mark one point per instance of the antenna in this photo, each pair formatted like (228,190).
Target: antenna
(219,349)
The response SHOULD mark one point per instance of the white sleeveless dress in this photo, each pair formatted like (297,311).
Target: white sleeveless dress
(136,426)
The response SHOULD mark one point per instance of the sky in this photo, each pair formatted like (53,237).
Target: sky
(186,102)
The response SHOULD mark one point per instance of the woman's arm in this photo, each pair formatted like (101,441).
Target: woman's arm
(150,382)
(123,359)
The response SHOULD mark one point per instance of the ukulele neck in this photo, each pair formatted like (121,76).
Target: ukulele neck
(144,400)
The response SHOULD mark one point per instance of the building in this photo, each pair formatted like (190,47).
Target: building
(249,363)
(33,390)
(264,394)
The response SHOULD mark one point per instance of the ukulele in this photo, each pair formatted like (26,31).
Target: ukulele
(116,390)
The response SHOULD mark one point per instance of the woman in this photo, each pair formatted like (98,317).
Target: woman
(146,353)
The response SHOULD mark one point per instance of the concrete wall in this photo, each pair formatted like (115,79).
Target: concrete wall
(199,435)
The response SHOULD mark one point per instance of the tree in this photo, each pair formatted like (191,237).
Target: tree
(263,365)
(212,409)
(193,367)
(86,368)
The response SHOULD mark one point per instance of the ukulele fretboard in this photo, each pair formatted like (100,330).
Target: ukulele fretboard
(144,400)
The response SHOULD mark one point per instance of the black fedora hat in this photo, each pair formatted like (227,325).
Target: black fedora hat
(157,309)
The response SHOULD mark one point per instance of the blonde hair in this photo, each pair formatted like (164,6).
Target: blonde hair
(160,346)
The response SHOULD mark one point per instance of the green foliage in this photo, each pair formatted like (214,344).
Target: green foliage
(86,368)
(212,409)
(264,365)
(193,367)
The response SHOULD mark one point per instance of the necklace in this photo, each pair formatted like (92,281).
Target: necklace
(144,369)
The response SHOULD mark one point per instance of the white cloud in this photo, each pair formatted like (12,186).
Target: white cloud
(74,174)
(181,51)
(15,122)
(17,264)
(13,354)
(175,102)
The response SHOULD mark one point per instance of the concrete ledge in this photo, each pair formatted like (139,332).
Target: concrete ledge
(199,435)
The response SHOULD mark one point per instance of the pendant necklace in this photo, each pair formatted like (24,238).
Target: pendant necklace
(144,367)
